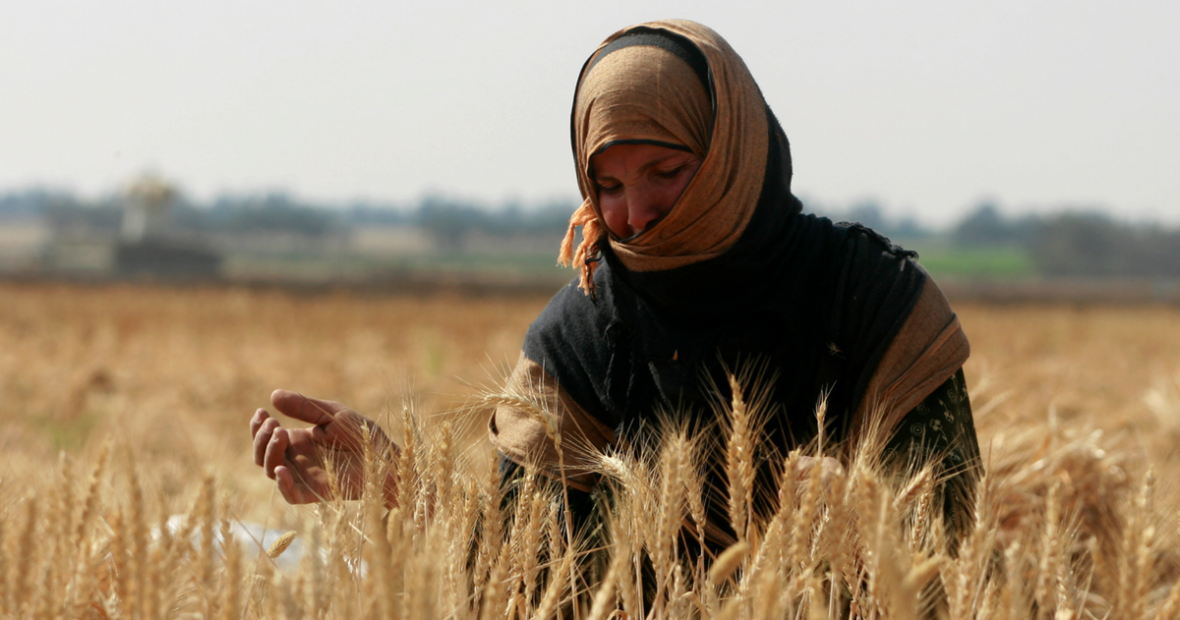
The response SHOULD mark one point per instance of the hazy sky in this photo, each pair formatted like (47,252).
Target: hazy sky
(928,106)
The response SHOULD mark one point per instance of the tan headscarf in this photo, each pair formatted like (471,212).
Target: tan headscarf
(647,93)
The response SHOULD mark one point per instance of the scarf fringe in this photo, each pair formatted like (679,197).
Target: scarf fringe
(585,217)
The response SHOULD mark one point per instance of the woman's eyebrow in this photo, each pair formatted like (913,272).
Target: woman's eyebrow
(599,178)
(642,169)
(652,164)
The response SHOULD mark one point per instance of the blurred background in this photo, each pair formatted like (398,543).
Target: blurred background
(1023,149)
(367,199)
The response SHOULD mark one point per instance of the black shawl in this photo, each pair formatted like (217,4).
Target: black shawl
(817,303)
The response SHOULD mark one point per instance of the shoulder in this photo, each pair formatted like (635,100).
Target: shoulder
(572,314)
(846,257)
(866,250)
(876,285)
(820,240)
(870,264)
(571,341)
(859,233)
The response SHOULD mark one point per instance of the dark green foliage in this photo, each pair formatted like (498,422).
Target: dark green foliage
(1091,244)
(450,221)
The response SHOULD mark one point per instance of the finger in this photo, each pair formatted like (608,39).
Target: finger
(286,484)
(262,439)
(275,452)
(832,466)
(294,489)
(304,408)
(256,421)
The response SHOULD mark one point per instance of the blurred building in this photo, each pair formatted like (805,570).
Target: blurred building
(132,237)
(148,247)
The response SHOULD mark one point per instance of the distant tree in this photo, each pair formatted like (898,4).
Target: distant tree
(34,201)
(870,214)
(365,214)
(907,227)
(189,216)
(985,226)
(1077,244)
(449,221)
(65,212)
(549,218)
(1093,244)
(274,212)
(1160,250)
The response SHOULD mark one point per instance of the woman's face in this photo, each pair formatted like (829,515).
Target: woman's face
(638,183)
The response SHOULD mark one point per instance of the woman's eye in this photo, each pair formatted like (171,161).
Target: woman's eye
(609,190)
(671,174)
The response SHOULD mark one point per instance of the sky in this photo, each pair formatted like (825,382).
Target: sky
(928,107)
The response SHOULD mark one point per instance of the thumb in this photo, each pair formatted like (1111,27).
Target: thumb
(300,407)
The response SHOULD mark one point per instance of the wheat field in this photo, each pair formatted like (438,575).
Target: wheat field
(125,470)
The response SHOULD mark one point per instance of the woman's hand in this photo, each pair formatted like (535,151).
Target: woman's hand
(805,468)
(830,468)
(295,458)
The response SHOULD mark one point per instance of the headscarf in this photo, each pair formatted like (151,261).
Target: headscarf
(635,88)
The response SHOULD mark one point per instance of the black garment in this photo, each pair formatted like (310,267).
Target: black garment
(816,302)
(817,307)
(819,314)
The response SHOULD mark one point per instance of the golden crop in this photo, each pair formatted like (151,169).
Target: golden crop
(126,458)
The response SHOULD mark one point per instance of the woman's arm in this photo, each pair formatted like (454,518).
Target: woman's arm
(531,412)
(940,431)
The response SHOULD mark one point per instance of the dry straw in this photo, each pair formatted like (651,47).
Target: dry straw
(855,540)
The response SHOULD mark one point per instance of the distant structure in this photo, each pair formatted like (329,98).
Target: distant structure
(146,246)
(145,204)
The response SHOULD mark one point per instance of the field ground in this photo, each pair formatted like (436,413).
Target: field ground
(177,372)
(173,375)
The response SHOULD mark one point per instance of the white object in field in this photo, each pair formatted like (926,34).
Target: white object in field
(252,538)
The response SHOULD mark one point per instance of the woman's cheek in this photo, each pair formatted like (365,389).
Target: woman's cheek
(614,212)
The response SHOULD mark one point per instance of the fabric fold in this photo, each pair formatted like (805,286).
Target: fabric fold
(534,406)
(928,349)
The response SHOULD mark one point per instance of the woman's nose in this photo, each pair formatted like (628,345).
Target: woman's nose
(642,210)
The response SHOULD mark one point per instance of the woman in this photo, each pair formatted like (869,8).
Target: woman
(696,261)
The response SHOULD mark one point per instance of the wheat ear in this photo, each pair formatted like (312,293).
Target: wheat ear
(739,462)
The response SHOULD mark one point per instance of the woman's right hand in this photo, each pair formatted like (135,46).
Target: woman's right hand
(295,458)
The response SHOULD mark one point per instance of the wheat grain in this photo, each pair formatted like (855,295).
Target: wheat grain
(799,550)
(281,544)
(739,461)
(728,562)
